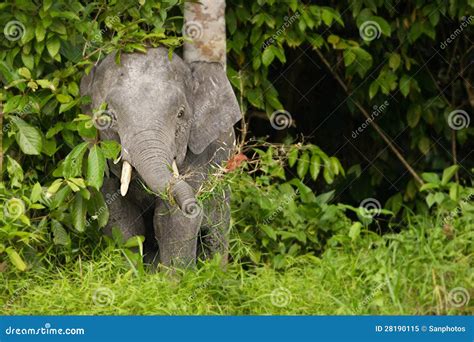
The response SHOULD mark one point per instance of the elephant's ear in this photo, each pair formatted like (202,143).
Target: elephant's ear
(215,106)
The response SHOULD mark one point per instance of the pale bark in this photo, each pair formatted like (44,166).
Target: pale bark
(204,25)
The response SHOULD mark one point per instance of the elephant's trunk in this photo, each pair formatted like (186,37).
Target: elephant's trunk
(154,163)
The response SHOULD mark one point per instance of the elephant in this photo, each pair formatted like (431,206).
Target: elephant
(174,121)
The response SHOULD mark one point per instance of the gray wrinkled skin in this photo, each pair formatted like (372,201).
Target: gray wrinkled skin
(164,110)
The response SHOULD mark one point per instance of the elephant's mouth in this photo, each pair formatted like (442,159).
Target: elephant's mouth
(181,191)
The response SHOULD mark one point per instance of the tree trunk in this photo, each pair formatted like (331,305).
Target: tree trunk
(204,25)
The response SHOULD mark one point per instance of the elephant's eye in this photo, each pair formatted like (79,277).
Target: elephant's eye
(181,111)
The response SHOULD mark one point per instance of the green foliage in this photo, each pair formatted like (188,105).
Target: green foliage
(410,273)
(276,214)
(388,51)
(55,164)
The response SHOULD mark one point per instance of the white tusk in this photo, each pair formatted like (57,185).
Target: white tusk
(126,177)
(116,161)
(175,169)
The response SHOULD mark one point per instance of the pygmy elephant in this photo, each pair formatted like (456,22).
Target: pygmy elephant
(174,121)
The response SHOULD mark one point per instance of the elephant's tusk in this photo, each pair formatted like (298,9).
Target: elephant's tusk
(126,177)
(175,169)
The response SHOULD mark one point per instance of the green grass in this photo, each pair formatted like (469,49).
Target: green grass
(411,272)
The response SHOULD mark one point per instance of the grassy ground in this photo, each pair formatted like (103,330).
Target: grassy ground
(424,270)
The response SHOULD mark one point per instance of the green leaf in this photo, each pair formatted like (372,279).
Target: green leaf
(40,32)
(16,259)
(60,236)
(327,174)
(414,115)
(53,46)
(448,174)
(63,98)
(73,161)
(404,85)
(292,157)
(36,192)
(315,166)
(110,149)
(267,57)
(373,89)
(303,165)
(78,213)
(98,209)
(134,241)
(95,167)
(28,137)
(349,57)
(354,230)
(394,61)
(25,73)
(430,177)
(269,231)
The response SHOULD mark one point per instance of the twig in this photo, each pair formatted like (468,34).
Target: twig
(243,124)
(376,127)
(453,132)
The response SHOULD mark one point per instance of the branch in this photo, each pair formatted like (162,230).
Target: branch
(376,126)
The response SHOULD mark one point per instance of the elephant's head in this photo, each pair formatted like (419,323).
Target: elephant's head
(160,108)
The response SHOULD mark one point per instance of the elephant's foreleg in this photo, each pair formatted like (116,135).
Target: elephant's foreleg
(177,235)
(214,235)
(123,212)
